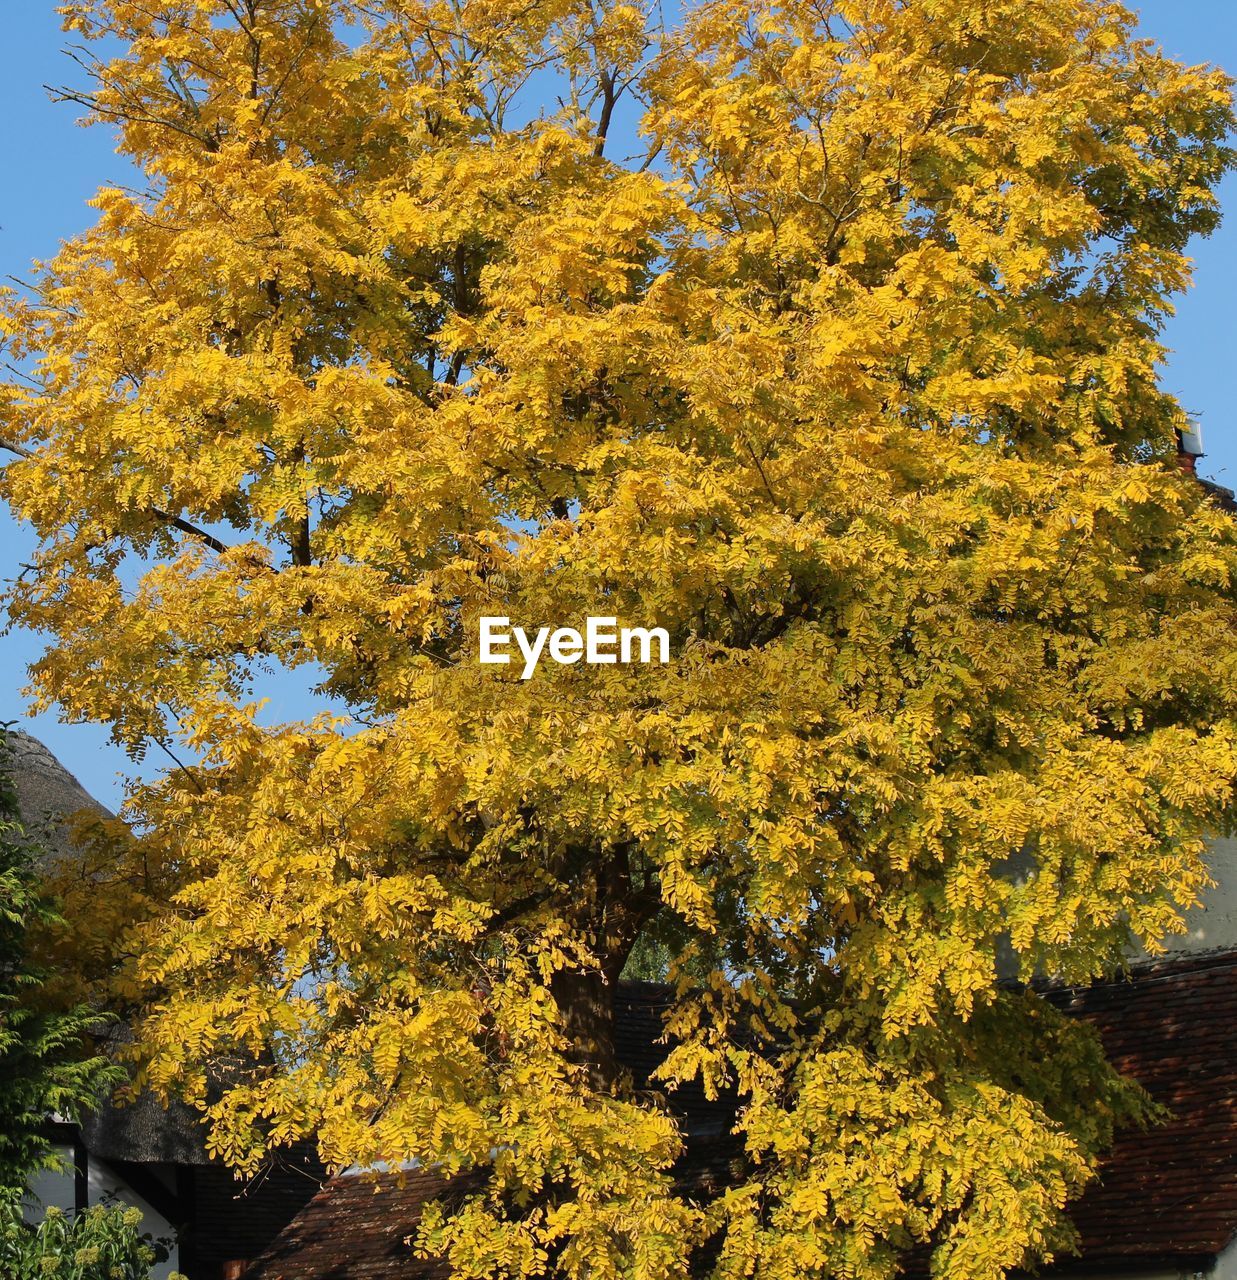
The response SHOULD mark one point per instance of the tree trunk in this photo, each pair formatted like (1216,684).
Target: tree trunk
(586,1001)
(610,919)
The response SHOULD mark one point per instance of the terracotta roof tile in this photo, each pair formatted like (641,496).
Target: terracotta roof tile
(357,1227)
(1171,1192)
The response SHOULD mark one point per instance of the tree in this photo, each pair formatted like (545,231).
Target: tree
(49,1061)
(847,381)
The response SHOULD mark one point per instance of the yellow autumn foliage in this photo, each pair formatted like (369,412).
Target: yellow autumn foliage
(846,378)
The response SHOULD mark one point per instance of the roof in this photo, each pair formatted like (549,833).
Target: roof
(147,1131)
(358,1227)
(1223,497)
(1168,1195)
(47,793)
(232,1218)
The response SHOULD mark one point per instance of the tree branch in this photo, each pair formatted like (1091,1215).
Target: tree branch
(191,529)
(175,521)
(609,96)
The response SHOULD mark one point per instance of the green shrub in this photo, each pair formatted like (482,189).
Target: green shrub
(103,1243)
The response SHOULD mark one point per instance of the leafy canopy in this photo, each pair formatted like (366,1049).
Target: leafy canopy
(847,379)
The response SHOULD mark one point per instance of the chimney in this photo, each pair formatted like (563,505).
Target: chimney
(1189,446)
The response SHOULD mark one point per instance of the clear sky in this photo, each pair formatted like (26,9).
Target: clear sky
(52,168)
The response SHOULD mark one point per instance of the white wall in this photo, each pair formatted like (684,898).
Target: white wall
(105,1186)
(51,1188)
(56,1188)
(1214,924)
(1226,1264)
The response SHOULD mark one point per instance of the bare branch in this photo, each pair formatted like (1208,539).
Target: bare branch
(160,743)
(191,529)
(609,96)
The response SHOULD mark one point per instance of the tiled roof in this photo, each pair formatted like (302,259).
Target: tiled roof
(639,1012)
(1224,497)
(357,1228)
(232,1219)
(1167,1195)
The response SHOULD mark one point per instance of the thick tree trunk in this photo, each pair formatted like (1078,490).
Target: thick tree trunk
(586,1001)
(610,919)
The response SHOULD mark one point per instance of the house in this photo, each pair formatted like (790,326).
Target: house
(1165,1205)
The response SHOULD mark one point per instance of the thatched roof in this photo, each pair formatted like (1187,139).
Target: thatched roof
(47,793)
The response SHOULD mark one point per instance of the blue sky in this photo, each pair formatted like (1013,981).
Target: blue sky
(53,167)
